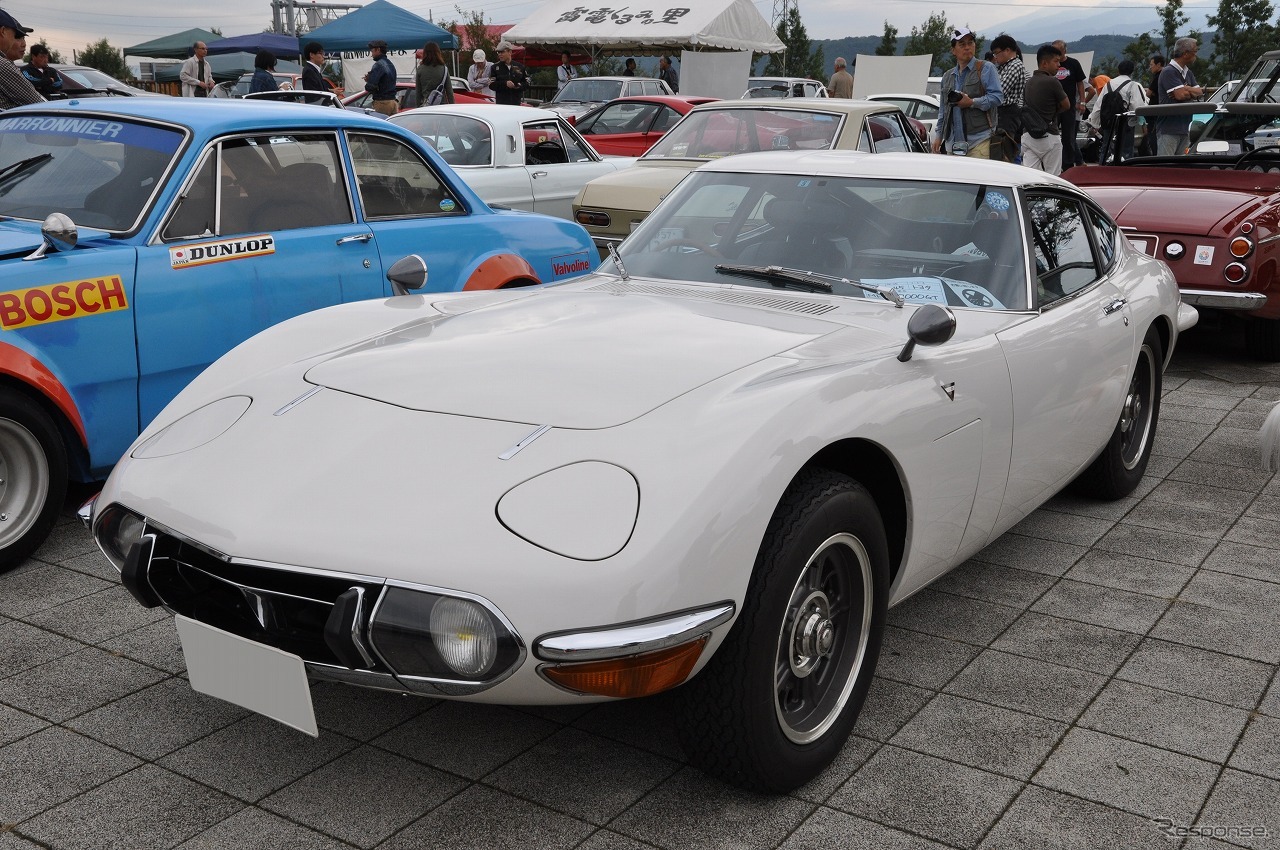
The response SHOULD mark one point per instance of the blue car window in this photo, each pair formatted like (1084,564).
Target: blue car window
(196,212)
(396,181)
(281,182)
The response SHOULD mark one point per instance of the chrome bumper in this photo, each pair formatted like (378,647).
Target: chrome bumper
(1218,300)
(633,638)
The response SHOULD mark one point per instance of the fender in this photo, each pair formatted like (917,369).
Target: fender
(18,364)
(497,270)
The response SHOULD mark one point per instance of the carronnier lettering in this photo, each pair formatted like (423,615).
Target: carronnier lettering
(57,301)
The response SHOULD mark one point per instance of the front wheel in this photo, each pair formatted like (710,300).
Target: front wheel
(776,703)
(33,477)
(1120,467)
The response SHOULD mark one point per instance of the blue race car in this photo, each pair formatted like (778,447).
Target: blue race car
(143,238)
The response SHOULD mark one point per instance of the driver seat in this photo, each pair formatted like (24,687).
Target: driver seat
(798,240)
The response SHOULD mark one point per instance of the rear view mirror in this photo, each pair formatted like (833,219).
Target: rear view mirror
(407,274)
(1212,146)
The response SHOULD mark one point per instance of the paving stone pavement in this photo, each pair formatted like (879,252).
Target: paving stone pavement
(1101,676)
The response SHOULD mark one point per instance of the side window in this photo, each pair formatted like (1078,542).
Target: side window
(652,87)
(666,120)
(1104,232)
(887,134)
(395,181)
(196,213)
(552,143)
(1064,258)
(408,98)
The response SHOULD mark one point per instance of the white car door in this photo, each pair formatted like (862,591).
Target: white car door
(559,163)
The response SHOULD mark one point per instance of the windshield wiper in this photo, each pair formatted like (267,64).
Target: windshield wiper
(813,281)
(23,166)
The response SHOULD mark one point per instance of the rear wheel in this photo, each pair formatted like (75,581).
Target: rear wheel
(1262,339)
(33,477)
(1122,463)
(776,703)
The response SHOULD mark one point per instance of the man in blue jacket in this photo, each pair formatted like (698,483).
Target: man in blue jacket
(381,79)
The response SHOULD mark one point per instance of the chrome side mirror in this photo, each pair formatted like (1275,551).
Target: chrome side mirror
(931,324)
(407,274)
(60,234)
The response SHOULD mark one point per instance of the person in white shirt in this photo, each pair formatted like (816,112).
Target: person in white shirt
(1134,95)
(565,70)
(480,74)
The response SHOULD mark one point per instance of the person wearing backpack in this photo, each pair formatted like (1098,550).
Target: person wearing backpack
(1043,101)
(1121,94)
(970,96)
(432,77)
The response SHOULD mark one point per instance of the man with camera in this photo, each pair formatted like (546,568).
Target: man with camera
(971,94)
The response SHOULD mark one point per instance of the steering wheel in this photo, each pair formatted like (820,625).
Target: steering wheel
(1245,158)
(691,243)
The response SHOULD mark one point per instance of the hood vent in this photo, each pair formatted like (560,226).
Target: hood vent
(790,305)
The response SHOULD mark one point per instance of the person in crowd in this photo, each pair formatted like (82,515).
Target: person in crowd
(313,68)
(565,70)
(1154,66)
(1177,84)
(1044,101)
(668,74)
(15,89)
(1072,78)
(630,68)
(381,79)
(195,73)
(1134,95)
(1013,82)
(841,84)
(429,76)
(480,72)
(263,80)
(510,78)
(969,100)
(45,79)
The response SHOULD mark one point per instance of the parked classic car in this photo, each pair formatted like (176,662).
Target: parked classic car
(515,156)
(1213,215)
(407,95)
(810,384)
(784,87)
(629,126)
(921,107)
(173,230)
(611,207)
(578,97)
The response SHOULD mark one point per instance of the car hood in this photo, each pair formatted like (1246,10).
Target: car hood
(1154,209)
(18,239)
(581,358)
(638,188)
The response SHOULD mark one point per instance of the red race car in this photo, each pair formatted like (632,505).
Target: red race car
(628,126)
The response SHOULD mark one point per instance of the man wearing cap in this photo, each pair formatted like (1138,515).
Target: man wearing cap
(510,78)
(196,76)
(480,74)
(970,98)
(381,79)
(14,88)
(313,69)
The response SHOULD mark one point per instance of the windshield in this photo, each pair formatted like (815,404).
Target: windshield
(949,243)
(100,171)
(589,90)
(716,133)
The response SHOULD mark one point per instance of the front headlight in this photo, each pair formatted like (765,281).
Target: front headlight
(464,636)
(422,634)
(116,530)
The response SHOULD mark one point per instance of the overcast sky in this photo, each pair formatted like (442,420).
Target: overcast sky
(69,25)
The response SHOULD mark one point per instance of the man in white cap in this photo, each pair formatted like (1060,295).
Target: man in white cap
(970,96)
(480,74)
(15,90)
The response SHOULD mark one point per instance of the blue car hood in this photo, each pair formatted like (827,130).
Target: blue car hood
(19,238)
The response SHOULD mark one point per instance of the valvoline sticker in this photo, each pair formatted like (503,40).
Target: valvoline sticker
(570,264)
(58,301)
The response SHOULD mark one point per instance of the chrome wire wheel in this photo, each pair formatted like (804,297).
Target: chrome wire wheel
(1137,415)
(823,638)
(24,481)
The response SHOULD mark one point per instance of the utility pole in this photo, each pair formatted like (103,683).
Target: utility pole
(781,11)
(292,17)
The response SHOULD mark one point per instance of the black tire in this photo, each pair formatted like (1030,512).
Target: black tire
(33,477)
(1262,339)
(1120,467)
(778,700)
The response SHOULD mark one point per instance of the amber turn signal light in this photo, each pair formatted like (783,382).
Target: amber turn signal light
(593,218)
(633,676)
(1241,247)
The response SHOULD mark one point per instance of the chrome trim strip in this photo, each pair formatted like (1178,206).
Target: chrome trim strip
(526,440)
(85,512)
(357,627)
(633,638)
(297,401)
(1224,300)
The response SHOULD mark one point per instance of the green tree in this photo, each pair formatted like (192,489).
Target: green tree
(889,41)
(1244,30)
(105,58)
(933,38)
(473,29)
(604,66)
(795,60)
(1140,50)
(1171,20)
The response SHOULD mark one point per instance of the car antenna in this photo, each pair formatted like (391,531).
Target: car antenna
(617,261)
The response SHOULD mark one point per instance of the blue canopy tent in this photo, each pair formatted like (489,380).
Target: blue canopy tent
(280,45)
(400,29)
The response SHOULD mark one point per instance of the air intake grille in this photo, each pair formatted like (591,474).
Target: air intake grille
(790,305)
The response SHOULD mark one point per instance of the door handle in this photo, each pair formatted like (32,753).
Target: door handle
(539,174)
(1114,306)
(359,237)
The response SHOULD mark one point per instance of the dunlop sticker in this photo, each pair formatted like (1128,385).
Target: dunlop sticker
(57,301)
(204,253)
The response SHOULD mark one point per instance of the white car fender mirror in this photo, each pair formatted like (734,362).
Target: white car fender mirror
(931,324)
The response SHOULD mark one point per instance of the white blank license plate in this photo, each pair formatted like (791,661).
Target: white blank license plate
(261,678)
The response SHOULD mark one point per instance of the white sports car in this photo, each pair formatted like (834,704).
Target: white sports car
(513,156)
(808,385)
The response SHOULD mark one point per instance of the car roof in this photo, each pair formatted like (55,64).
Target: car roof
(809,104)
(904,166)
(208,116)
(668,99)
(491,112)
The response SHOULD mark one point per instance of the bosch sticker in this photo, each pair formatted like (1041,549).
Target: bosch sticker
(570,264)
(58,301)
(447,205)
(189,256)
